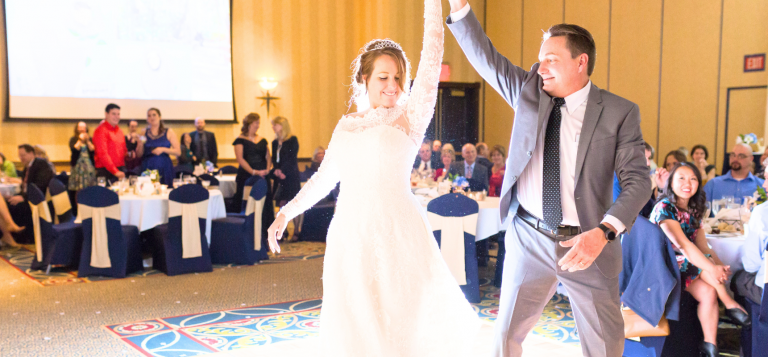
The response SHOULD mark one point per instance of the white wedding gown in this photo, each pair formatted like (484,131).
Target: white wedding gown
(386,288)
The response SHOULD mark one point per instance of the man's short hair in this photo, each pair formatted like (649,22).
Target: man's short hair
(578,40)
(28,148)
(648,147)
(111,106)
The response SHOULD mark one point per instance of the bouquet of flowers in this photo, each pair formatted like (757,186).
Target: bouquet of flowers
(460,181)
(153,175)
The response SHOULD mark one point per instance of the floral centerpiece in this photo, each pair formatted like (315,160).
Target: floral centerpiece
(460,183)
(751,140)
(153,175)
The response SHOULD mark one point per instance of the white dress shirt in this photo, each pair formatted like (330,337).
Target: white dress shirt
(530,186)
(425,167)
(469,169)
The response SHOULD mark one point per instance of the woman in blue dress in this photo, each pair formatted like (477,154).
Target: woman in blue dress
(160,144)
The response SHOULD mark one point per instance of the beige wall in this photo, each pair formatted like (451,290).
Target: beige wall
(307,46)
(675,59)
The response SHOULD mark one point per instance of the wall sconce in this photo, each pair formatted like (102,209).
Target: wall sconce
(267,84)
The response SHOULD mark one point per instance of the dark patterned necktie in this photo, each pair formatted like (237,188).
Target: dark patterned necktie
(553,210)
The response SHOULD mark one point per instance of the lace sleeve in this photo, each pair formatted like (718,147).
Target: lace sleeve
(421,105)
(317,187)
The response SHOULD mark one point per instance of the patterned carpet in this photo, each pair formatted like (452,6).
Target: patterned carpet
(22,258)
(205,333)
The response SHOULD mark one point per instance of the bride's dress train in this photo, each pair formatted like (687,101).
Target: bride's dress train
(386,289)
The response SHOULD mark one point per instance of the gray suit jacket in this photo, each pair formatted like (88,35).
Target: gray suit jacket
(610,140)
(479,180)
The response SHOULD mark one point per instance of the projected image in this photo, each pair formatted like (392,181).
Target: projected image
(173,50)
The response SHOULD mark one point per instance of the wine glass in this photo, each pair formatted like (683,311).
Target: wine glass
(728,199)
(101,181)
(716,206)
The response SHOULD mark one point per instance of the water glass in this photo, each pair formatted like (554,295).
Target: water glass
(177,183)
(728,199)
(716,206)
(101,181)
(206,184)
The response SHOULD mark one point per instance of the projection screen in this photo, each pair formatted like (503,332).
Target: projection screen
(67,59)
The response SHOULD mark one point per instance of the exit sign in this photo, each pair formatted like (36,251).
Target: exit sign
(754,63)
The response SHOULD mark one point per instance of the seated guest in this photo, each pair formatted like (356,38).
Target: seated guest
(448,146)
(475,173)
(436,161)
(8,226)
(447,159)
(7,167)
(437,148)
(739,181)
(204,143)
(749,282)
(36,171)
(161,143)
(132,160)
(110,145)
(699,156)
(482,156)
(187,159)
(497,171)
(678,213)
(41,154)
(81,139)
(673,158)
(425,164)
(317,159)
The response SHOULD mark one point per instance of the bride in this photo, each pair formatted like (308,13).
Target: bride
(386,289)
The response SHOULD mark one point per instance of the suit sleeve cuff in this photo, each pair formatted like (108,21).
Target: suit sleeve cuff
(458,15)
(615,222)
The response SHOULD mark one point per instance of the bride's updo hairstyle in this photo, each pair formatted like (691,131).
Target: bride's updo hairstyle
(362,68)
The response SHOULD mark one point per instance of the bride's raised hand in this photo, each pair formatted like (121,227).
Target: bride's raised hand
(275,232)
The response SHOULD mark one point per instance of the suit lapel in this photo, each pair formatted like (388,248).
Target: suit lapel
(591,116)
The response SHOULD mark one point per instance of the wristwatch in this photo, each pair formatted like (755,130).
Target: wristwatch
(610,235)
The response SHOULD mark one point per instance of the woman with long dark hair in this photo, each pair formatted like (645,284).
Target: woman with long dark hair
(679,212)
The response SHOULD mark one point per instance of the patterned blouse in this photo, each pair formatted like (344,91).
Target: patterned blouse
(665,209)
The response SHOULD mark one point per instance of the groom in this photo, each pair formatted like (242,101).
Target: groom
(568,138)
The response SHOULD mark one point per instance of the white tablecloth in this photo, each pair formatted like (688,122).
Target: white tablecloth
(729,248)
(150,212)
(227,185)
(488,222)
(9,189)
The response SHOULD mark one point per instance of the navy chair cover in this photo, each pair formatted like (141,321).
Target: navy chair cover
(123,241)
(168,253)
(247,187)
(456,205)
(210,178)
(233,238)
(60,243)
(228,170)
(60,209)
(317,220)
(757,337)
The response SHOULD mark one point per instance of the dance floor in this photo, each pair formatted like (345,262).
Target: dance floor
(22,258)
(295,325)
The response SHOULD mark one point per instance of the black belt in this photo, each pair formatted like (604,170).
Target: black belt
(561,233)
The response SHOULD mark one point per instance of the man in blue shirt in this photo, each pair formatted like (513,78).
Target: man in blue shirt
(739,181)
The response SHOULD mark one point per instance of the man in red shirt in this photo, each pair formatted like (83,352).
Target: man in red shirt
(110,146)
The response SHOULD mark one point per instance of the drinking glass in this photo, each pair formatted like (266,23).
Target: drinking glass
(101,181)
(177,183)
(716,205)
(206,183)
(728,199)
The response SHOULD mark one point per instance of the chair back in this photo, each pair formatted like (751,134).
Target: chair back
(210,178)
(453,218)
(247,186)
(254,208)
(59,197)
(228,170)
(104,247)
(187,212)
(64,178)
(42,223)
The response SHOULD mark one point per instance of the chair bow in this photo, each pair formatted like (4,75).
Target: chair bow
(190,225)
(39,210)
(256,207)
(99,236)
(452,241)
(61,203)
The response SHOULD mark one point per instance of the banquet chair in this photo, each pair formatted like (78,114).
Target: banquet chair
(55,244)
(238,240)
(58,196)
(180,246)
(454,221)
(247,186)
(228,170)
(753,343)
(109,248)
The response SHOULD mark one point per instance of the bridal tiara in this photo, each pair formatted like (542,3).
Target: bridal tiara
(358,90)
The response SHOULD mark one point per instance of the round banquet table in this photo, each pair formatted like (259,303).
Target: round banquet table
(488,221)
(227,185)
(729,248)
(151,211)
(9,189)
